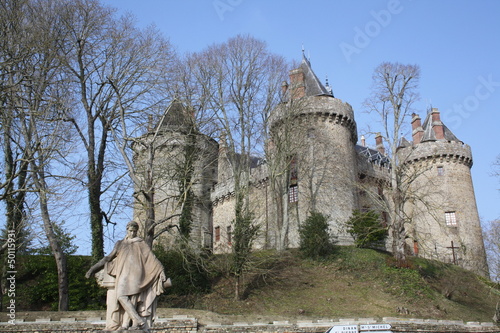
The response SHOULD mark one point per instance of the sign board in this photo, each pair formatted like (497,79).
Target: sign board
(374,327)
(344,329)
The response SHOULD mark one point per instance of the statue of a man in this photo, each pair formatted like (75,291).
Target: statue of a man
(139,279)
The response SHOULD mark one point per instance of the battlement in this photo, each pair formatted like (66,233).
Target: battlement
(225,189)
(322,108)
(453,151)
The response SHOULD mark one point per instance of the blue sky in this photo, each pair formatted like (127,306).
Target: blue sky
(455,43)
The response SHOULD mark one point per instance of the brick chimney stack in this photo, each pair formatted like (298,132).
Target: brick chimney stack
(437,125)
(379,143)
(297,82)
(363,141)
(416,127)
(222,144)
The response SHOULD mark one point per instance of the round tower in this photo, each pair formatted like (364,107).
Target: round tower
(444,218)
(183,164)
(317,134)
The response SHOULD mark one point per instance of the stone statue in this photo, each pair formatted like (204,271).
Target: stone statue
(134,278)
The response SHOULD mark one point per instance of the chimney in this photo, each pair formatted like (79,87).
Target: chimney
(298,84)
(284,89)
(363,141)
(222,143)
(223,166)
(416,127)
(379,143)
(437,125)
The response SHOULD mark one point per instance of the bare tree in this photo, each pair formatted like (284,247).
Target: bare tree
(240,82)
(137,94)
(496,166)
(36,97)
(491,235)
(114,67)
(149,175)
(13,54)
(393,94)
(43,148)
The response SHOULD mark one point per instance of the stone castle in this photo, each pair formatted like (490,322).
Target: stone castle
(327,171)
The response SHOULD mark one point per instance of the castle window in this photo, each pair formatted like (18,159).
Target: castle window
(217,234)
(293,189)
(293,194)
(385,219)
(229,235)
(451,219)
(415,247)
(440,170)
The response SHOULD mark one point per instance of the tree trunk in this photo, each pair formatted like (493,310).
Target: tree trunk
(149,197)
(398,227)
(96,227)
(150,219)
(59,255)
(283,211)
(237,288)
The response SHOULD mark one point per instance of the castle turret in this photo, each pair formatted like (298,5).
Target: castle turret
(317,132)
(444,216)
(184,169)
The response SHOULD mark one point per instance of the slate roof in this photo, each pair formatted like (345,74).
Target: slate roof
(372,155)
(314,87)
(176,117)
(430,135)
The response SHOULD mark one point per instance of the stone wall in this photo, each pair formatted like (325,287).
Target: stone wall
(187,324)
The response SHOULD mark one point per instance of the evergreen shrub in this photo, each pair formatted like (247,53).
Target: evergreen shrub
(316,241)
(366,229)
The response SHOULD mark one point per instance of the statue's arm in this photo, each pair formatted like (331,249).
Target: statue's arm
(100,264)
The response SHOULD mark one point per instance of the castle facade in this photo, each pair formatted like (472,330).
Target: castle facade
(323,168)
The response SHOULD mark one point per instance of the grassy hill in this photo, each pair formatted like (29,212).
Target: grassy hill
(353,283)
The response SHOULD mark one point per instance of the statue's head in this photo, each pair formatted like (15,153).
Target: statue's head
(132,228)
(132,225)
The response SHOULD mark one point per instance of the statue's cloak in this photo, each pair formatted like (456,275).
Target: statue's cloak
(138,273)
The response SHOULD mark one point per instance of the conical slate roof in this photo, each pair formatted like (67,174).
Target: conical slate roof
(314,87)
(430,134)
(177,117)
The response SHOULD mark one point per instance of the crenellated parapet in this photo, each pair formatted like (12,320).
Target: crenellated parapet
(325,109)
(224,190)
(437,151)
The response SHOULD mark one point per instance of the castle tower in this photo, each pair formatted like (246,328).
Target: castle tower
(184,167)
(444,216)
(317,132)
